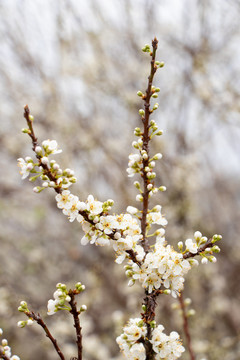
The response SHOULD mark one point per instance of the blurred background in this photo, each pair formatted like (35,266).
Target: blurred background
(78,65)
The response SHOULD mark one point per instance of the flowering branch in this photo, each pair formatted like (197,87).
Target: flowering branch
(158,268)
(146,138)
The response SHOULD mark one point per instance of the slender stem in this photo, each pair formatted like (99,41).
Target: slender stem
(201,248)
(40,321)
(75,313)
(149,300)
(186,327)
(146,139)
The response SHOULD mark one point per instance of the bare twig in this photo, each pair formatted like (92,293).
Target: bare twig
(201,249)
(40,321)
(186,327)
(75,313)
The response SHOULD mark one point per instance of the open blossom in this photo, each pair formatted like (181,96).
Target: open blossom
(155,217)
(94,206)
(25,167)
(166,347)
(51,147)
(191,246)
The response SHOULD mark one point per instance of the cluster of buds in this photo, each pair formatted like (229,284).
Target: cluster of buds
(5,350)
(61,297)
(197,246)
(135,334)
(140,163)
(47,170)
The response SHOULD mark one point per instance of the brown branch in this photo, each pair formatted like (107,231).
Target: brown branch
(75,313)
(40,321)
(146,138)
(186,327)
(201,248)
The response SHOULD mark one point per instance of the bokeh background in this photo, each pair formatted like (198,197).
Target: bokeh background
(78,65)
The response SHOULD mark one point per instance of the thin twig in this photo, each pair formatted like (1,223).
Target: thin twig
(150,299)
(40,321)
(146,138)
(201,248)
(186,327)
(75,313)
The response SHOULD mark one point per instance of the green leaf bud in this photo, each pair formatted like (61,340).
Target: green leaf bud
(139,93)
(144,308)
(146,48)
(155,95)
(161,64)
(157,89)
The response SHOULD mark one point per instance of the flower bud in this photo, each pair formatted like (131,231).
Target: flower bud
(139,93)
(21,324)
(38,149)
(141,112)
(162,188)
(137,184)
(191,312)
(31,118)
(180,245)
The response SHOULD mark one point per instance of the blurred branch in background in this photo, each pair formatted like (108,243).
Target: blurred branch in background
(77,66)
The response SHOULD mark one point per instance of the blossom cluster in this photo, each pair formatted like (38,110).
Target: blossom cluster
(48,171)
(5,350)
(193,246)
(135,334)
(161,267)
(99,227)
